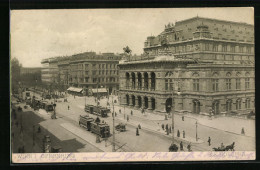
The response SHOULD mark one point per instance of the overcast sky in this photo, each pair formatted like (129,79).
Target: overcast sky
(39,34)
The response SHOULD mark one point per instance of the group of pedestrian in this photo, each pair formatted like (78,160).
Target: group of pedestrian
(183,133)
(188,147)
(167,128)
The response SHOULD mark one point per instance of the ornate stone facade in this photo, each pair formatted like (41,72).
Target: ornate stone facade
(195,65)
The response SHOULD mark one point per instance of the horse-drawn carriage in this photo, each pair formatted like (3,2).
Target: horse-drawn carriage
(227,148)
(120,127)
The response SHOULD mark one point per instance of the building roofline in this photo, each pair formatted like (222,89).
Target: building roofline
(213,19)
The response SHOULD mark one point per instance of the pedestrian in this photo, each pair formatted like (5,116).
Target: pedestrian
(170,129)
(209,140)
(242,131)
(189,147)
(115,114)
(181,146)
(120,111)
(163,126)
(127,118)
(166,127)
(131,112)
(167,130)
(183,133)
(139,126)
(39,129)
(182,118)
(68,107)
(178,133)
(137,132)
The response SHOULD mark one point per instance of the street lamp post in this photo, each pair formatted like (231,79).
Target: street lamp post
(114,147)
(172,110)
(197,131)
(33,139)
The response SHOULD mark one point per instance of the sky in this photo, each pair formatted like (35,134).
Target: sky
(40,34)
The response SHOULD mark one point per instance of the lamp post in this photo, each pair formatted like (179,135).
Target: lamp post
(197,131)
(97,94)
(33,139)
(114,147)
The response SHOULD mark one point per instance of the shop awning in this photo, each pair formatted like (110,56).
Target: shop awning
(99,90)
(75,89)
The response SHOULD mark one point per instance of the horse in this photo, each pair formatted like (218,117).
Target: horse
(230,147)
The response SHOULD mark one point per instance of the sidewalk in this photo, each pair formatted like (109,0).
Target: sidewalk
(157,129)
(227,124)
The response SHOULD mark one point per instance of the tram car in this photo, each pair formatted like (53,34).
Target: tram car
(49,107)
(101,129)
(36,104)
(97,110)
(84,121)
(43,104)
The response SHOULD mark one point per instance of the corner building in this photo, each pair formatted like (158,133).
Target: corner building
(85,70)
(210,62)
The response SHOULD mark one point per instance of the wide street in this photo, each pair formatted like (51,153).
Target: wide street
(152,138)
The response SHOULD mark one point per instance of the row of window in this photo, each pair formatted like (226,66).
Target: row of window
(238,104)
(102,72)
(103,66)
(208,47)
(95,80)
(215,84)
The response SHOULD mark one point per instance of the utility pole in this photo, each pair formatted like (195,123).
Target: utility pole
(114,147)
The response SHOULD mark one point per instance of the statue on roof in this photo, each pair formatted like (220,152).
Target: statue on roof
(127,50)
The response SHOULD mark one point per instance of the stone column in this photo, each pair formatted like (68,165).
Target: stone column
(130,82)
(149,83)
(150,103)
(143,102)
(142,80)
(130,100)
(136,102)
(136,81)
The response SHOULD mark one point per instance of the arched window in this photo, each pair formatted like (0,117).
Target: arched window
(196,106)
(196,81)
(247,103)
(228,81)
(215,81)
(238,104)
(228,105)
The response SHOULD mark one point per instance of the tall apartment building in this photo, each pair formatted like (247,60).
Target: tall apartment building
(49,70)
(86,70)
(199,65)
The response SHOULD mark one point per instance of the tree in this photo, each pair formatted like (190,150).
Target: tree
(15,72)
